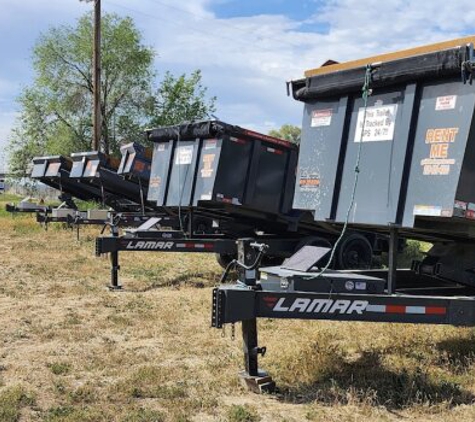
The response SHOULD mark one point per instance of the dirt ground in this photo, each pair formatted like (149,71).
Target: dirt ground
(71,350)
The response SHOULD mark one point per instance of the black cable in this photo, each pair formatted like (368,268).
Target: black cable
(235,262)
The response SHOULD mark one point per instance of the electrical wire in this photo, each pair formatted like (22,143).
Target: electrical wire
(221,22)
(188,27)
(366,92)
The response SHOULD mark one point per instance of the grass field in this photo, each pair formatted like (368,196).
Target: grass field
(73,351)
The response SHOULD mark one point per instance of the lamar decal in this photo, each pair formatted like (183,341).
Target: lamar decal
(149,245)
(324,306)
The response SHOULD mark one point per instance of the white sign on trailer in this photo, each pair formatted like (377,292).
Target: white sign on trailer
(379,123)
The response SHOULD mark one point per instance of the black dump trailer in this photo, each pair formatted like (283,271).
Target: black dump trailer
(136,162)
(216,183)
(54,171)
(100,171)
(388,146)
(228,173)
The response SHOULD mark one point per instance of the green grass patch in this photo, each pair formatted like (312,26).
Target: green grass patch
(60,368)
(153,382)
(68,413)
(144,415)
(238,413)
(12,401)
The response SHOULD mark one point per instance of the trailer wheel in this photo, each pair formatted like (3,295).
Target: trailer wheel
(313,241)
(224,259)
(354,253)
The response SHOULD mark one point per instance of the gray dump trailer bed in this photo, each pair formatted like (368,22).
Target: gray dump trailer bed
(417,151)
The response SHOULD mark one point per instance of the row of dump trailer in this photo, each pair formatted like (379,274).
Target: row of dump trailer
(201,187)
(387,154)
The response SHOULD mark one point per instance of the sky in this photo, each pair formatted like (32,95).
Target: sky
(246,49)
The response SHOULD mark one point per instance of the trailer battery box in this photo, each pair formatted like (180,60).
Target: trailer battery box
(284,280)
(63,213)
(97,214)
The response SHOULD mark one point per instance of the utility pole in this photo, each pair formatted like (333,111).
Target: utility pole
(96,139)
(96,80)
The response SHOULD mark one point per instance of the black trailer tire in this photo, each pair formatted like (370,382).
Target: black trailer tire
(224,259)
(354,253)
(313,241)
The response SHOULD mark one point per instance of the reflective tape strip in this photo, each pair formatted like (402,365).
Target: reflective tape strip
(402,309)
(376,308)
(190,245)
(433,310)
(395,309)
(415,309)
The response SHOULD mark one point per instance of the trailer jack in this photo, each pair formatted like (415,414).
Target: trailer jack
(114,258)
(252,378)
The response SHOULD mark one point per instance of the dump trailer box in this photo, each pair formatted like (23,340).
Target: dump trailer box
(136,162)
(100,170)
(214,165)
(87,164)
(416,137)
(54,171)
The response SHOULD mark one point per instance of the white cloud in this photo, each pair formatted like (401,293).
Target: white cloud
(18,11)
(246,60)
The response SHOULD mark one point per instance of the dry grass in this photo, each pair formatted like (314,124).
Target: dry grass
(73,351)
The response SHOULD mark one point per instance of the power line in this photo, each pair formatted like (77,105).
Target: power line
(218,21)
(173,22)
(176,23)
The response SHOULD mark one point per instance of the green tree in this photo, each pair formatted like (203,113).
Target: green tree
(56,110)
(290,133)
(181,99)
(27,137)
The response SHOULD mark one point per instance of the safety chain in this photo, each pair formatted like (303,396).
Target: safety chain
(233,331)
